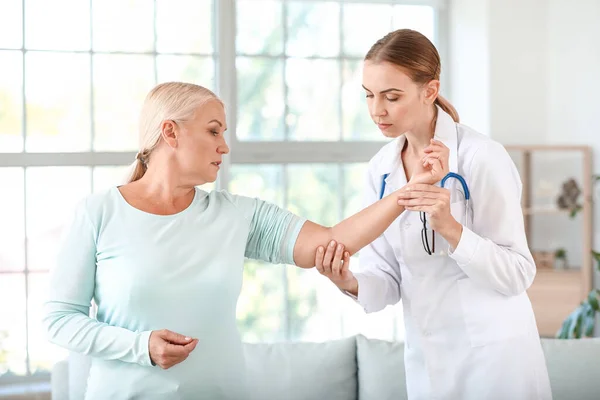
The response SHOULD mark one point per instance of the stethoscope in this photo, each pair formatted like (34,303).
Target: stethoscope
(454,175)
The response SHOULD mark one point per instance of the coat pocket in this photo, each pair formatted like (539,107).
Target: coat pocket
(491,316)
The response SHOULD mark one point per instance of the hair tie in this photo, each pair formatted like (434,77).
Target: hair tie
(140,158)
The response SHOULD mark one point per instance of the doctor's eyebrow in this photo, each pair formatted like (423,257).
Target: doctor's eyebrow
(386,90)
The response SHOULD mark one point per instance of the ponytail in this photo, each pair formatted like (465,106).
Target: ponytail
(448,108)
(139,169)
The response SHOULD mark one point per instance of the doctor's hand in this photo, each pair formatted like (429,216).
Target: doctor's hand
(334,263)
(169,348)
(435,202)
(434,165)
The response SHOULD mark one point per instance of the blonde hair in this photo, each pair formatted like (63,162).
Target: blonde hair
(177,101)
(413,52)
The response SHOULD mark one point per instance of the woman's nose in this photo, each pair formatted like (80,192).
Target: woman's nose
(378,109)
(223,149)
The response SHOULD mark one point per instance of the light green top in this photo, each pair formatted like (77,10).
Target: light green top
(145,272)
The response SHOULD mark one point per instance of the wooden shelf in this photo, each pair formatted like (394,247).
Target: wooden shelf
(554,293)
(544,210)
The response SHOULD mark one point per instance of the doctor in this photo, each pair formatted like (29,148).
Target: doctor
(458,255)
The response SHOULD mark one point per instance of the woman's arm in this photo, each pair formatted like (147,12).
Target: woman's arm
(362,228)
(354,232)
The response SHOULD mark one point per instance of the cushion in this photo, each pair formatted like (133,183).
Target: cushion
(381,374)
(302,371)
(573,368)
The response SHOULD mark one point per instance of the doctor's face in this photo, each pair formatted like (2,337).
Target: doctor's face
(396,103)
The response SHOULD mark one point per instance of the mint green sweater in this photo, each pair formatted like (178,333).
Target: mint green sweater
(145,272)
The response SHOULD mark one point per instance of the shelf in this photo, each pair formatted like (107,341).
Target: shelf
(554,295)
(545,210)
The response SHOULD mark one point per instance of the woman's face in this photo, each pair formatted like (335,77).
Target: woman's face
(200,144)
(396,103)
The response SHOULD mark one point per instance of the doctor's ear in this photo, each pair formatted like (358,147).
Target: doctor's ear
(431,90)
(169,132)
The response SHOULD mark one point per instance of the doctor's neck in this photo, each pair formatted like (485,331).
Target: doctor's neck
(420,136)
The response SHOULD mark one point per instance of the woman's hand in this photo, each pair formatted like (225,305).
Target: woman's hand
(334,263)
(434,165)
(169,348)
(434,201)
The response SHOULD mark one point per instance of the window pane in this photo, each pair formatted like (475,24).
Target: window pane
(386,324)
(262,181)
(57,92)
(260,99)
(259,27)
(131,28)
(184,26)
(313,29)
(107,177)
(192,69)
(354,187)
(12,325)
(313,192)
(11,24)
(57,24)
(314,100)
(419,18)
(324,313)
(121,83)
(11,101)
(51,188)
(261,307)
(359,35)
(42,354)
(12,215)
(357,122)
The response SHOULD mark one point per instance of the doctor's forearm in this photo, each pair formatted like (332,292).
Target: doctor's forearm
(452,234)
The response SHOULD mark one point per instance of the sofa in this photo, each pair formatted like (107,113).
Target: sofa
(357,368)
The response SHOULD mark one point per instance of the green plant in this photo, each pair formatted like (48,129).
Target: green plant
(581,322)
(560,254)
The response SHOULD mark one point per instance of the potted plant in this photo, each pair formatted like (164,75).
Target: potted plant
(560,259)
(581,322)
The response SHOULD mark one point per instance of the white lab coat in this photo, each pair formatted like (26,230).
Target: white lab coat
(470,329)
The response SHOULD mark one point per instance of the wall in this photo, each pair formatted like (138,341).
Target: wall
(527,72)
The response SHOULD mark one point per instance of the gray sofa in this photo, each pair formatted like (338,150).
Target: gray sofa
(357,368)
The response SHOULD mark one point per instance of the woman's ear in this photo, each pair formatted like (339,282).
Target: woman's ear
(431,91)
(169,132)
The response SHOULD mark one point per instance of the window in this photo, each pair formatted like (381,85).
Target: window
(299,132)
(300,108)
